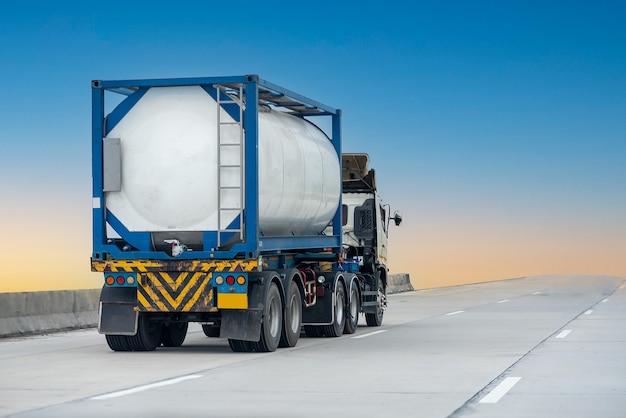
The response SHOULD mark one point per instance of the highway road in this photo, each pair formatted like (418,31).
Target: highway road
(529,347)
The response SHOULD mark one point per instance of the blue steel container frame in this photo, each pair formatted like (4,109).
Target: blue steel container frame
(254,244)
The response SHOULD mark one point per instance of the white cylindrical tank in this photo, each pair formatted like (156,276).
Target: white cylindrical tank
(169,160)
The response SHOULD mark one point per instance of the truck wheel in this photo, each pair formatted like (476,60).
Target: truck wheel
(148,335)
(118,342)
(293,318)
(174,334)
(376,319)
(336,328)
(354,308)
(240,346)
(211,330)
(272,322)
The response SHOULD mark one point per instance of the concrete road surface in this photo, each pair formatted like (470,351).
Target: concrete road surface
(530,347)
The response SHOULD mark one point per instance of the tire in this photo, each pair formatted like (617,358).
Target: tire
(240,346)
(118,342)
(148,335)
(376,319)
(211,330)
(292,318)
(313,331)
(336,328)
(352,313)
(174,334)
(271,329)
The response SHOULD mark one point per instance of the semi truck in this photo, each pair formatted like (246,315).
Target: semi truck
(222,201)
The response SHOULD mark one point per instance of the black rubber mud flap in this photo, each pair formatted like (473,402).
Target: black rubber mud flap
(118,318)
(239,324)
(117,313)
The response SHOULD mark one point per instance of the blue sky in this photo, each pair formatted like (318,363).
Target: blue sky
(485,120)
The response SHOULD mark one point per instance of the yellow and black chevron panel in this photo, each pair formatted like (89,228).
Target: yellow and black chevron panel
(175,286)
(175,292)
(143,266)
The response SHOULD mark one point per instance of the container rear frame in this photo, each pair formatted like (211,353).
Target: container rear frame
(254,244)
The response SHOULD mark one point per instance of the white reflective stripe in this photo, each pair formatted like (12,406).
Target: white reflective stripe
(499,391)
(145,387)
(369,334)
(563,333)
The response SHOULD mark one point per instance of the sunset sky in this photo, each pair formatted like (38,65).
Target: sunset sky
(498,128)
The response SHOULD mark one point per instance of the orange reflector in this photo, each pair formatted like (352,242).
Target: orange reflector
(109,280)
(241,280)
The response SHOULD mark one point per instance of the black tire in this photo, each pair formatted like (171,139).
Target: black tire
(174,334)
(240,346)
(292,318)
(354,308)
(313,331)
(211,330)
(336,328)
(376,319)
(118,342)
(271,329)
(148,335)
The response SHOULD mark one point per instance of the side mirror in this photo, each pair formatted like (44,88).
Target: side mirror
(397,218)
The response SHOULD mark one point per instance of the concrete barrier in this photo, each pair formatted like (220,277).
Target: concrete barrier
(397,283)
(25,313)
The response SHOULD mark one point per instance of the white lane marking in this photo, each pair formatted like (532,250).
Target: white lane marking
(145,387)
(563,333)
(454,313)
(499,391)
(503,301)
(605,300)
(537,293)
(589,312)
(369,334)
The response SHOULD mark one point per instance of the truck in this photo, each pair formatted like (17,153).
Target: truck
(219,200)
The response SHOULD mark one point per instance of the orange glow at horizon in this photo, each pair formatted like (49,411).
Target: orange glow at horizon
(472,254)
(48,248)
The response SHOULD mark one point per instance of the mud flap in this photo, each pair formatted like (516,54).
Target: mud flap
(118,318)
(241,324)
(117,313)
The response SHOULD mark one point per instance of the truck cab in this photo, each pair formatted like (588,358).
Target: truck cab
(365,220)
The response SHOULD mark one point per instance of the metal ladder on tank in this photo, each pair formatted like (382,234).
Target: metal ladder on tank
(222,98)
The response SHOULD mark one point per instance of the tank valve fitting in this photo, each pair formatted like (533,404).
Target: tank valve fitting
(177,247)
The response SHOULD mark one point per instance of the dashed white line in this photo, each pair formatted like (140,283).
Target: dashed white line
(145,387)
(499,391)
(605,300)
(563,333)
(503,301)
(454,313)
(537,293)
(369,334)
(589,312)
